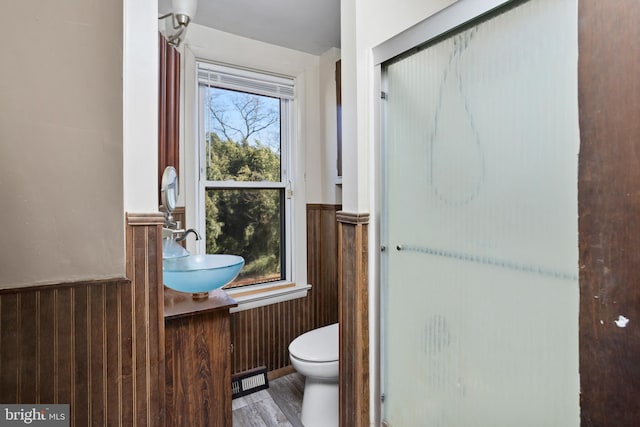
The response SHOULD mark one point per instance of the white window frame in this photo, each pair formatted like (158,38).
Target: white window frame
(265,293)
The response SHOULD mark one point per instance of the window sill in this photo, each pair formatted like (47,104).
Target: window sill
(261,295)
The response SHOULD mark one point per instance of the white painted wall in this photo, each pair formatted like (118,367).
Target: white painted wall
(79,147)
(61,143)
(322,170)
(140,115)
(353,190)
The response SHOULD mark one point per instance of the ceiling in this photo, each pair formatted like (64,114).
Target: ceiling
(311,26)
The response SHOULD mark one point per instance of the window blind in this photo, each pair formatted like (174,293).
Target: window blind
(239,79)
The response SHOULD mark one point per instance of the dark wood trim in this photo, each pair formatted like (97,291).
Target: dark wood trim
(352,218)
(168,107)
(162,106)
(137,219)
(338,77)
(323,206)
(46,286)
(608,204)
(354,320)
(278,373)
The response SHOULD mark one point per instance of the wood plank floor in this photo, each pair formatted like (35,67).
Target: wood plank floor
(278,406)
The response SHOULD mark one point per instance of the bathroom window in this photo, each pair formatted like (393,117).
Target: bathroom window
(244,175)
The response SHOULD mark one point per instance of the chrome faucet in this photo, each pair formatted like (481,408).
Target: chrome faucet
(171,229)
(184,235)
(171,239)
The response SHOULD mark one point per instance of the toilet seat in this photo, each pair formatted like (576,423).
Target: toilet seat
(318,345)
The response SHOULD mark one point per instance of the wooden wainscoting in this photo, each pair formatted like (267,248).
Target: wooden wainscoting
(609,207)
(354,319)
(261,336)
(96,345)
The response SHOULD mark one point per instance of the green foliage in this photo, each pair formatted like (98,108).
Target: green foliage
(245,222)
(228,160)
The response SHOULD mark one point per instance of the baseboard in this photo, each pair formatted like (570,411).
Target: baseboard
(277,373)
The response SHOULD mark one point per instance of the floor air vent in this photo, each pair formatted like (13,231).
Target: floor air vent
(248,382)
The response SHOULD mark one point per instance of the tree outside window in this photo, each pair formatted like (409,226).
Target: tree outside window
(244,195)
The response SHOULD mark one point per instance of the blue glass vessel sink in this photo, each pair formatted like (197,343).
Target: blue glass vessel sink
(200,273)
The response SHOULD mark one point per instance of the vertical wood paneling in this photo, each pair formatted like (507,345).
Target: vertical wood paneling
(64,346)
(47,346)
(97,365)
(197,394)
(147,351)
(155,331)
(81,358)
(140,301)
(9,336)
(27,375)
(346,240)
(354,319)
(261,336)
(609,202)
(126,354)
(79,343)
(113,342)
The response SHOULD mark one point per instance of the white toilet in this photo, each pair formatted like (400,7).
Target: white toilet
(315,355)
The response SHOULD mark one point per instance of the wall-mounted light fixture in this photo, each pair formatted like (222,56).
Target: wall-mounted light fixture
(182,11)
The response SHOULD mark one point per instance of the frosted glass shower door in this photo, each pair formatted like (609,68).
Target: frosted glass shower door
(479,219)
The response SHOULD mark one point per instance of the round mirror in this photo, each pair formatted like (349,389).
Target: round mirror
(169,190)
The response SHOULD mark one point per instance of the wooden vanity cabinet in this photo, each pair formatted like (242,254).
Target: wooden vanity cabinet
(197,359)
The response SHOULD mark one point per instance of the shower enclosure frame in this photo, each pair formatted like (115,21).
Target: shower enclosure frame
(448,20)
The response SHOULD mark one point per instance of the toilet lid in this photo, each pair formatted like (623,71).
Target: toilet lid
(318,345)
